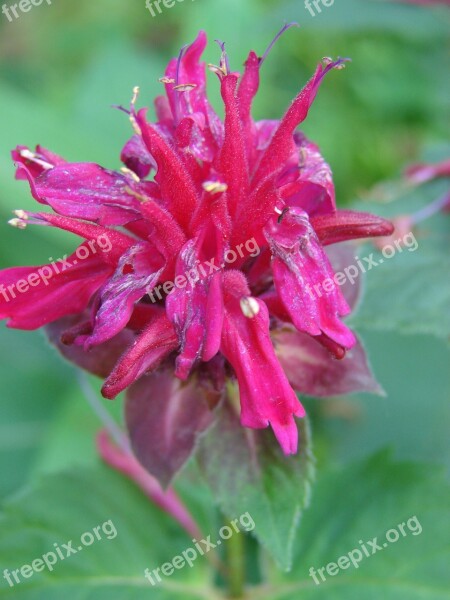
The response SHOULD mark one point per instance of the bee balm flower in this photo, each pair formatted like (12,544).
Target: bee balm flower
(194,190)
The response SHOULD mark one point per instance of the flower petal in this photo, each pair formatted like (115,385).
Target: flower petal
(265,394)
(345,225)
(341,256)
(156,341)
(248,88)
(280,146)
(49,295)
(36,162)
(196,310)
(313,191)
(232,163)
(137,272)
(177,187)
(108,243)
(137,158)
(299,264)
(86,191)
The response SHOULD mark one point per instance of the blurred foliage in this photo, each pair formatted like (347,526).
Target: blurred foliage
(414,567)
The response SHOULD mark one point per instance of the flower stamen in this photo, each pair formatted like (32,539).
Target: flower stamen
(249,306)
(27,154)
(132,113)
(166,80)
(24,218)
(275,40)
(131,174)
(214,187)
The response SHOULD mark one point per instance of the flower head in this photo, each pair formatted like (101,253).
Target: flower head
(216,233)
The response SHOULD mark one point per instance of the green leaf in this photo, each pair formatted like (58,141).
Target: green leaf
(408,290)
(248,472)
(63,507)
(409,294)
(352,506)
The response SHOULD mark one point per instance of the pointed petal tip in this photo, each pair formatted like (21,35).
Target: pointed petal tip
(183,367)
(287,433)
(108,391)
(287,436)
(382,228)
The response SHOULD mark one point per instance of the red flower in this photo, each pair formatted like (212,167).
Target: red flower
(244,208)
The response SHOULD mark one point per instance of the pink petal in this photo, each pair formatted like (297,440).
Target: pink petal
(138,272)
(299,264)
(423,172)
(117,242)
(280,146)
(189,70)
(36,162)
(349,225)
(232,163)
(137,158)
(165,233)
(256,210)
(342,256)
(86,191)
(52,295)
(265,394)
(248,88)
(196,310)
(177,187)
(313,191)
(156,341)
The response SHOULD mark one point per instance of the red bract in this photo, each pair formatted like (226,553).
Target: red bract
(242,207)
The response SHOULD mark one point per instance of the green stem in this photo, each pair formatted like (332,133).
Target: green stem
(236,565)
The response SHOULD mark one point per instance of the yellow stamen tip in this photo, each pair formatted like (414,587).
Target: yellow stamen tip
(166,79)
(185,87)
(131,173)
(250,307)
(214,187)
(17,223)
